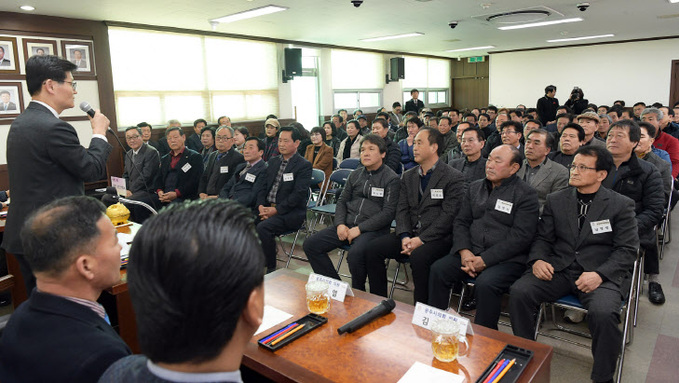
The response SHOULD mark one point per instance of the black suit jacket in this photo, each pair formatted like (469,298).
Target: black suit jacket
(194,143)
(142,176)
(51,339)
(245,189)
(187,181)
(412,106)
(559,242)
(292,195)
(228,162)
(46,162)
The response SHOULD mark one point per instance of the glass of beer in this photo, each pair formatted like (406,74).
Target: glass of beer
(446,340)
(317,297)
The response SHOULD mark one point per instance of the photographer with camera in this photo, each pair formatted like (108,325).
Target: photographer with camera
(577,101)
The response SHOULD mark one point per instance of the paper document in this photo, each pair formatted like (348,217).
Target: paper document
(420,372)
(272,317)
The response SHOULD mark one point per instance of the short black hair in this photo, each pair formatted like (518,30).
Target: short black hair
(413,91)
(604,159)
(293,131)
(492,107)
(569,110)
(550,88)
(172,129)
(467,115)
(341,110)
(533,121)
(605,107)
(210,245)
(479,133)
(621,102)
(639,103)
(195,123)
(450,120)
(375,140)
(650,129)
(581,131)
(382,122)
(260,144)
(220,117)
(42,68)
(144,124)
(243,130)
(341,119)
(617,109)
(410,113)
(138,129)
(57,233)
(435,137)
(356,125)
(514,124)
(564,115)
(486,115)
(549,139)
(396,104)
(208,129)
(320,131)
(518,112)
(383,115)
(418,122)
(630,126)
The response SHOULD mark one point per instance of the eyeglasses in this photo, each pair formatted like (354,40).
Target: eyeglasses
(74,84)
(581,168)
(129,138)
(222,138)
(468,140)
(506,132)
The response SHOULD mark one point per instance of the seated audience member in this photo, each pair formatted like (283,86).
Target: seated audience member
(392,129)
(141,164)
(249,177)
(495,139)
(602,129)
(628,114)
(586,246)
(344,114)
(430,196)
(434,122)
(456,152)
(492,235)
(485,125)
(454,115)
(589,122)
(445,126)
(146,131)
(637,109)
(667,123)
(4,196)
(194,141)
(516,115)
(396,115)
(304,139)
(340,126)
(363,125)
(330,139)
(511,133)
(213,245)
(224,121)
(207,140)
(281,204)
(319,154)
(572,137)
(529,126)
(402,131)
(163,147)
(602,109)
(470,118)
(472,165)
(350,146)
(220,166)
(640,181)
(663,140)
(615,113)
(541,173)
(61,333)
(562,120)
(357,112)
(393,158)
(406,145)
(364,212)
(644,151)
(239,136)
(271,127)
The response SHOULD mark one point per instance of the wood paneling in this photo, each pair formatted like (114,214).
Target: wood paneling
(674,83)
(469,84)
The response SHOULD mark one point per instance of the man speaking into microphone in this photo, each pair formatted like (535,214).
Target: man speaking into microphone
(44,156)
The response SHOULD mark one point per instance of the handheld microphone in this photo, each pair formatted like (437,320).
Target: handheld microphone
(85,107)
(111,196)
(384,308)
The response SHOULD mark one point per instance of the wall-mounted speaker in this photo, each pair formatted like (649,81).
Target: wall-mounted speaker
(397,68)
(293,61)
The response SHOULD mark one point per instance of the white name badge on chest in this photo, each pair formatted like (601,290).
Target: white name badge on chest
(436,193)
(288,177)
(186,168)
(250,177)
(603,226)
(503,206)
(376,192)
(424,316)
(223,169)
(337,290)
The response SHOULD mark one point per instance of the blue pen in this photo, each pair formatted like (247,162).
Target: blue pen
(277,332)
(502,367)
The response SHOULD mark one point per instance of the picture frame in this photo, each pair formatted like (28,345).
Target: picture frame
(11,100)
(81,53)
(9,55)
(38,46)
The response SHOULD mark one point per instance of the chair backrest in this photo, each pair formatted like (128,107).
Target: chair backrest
(340,176)
(334,163)
(317,176)
(350,163)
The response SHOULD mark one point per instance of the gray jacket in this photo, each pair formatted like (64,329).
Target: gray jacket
(549,178)
(369,199)
(147,161)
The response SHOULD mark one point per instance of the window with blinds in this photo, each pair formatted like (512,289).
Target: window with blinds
(431,77)
(357,80)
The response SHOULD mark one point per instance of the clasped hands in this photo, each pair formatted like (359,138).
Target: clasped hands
(587,282)
(408,245)
(471,264)
(266,212)
(346,234)
(167,197)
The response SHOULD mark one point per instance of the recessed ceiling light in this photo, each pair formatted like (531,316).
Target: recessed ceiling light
(256,12)
(674,1)
(472,49)
(401,36)
(581,38)
(27,8)
(541,23)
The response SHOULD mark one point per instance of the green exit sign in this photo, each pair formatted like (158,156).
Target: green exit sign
(476,59)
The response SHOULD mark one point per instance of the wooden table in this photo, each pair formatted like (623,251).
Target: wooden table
(380,352)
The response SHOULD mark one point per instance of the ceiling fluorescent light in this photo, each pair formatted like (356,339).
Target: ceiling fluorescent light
(581,38)
(27,8)
(674,1)
(256,12)
(541,24)
(471,49)
(414,34)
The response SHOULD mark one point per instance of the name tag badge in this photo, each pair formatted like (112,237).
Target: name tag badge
(376,192)
(186,168)
(503,206)
(250,177)
(288,177)
(337,289)
(436,193)
(603,226)
(223,169)
(424,316)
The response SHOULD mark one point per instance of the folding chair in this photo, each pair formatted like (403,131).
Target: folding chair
(310,202)
(663,231)
(350,163)
(336,182)
(6,284)
(395,281)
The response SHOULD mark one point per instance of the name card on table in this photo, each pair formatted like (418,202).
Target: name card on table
(424,316)
(120,185)
(337,290)
(420,372)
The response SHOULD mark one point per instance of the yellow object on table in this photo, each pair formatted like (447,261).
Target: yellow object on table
(118,214)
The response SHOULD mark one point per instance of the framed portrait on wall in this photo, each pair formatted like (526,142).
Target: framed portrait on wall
(37,47)
(11,100)
(81,54)
(8,55)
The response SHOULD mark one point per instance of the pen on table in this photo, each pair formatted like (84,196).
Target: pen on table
(279,332)
(493,371)
(504,371)
(497,372)
(287,335)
